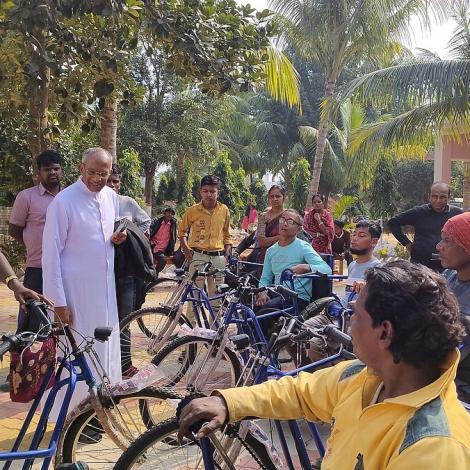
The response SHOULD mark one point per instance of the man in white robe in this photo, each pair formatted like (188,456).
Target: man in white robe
(78,259)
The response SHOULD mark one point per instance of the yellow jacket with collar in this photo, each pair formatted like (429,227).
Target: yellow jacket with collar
(424,430)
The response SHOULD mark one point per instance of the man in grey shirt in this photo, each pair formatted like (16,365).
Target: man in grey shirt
(363,241)
(454,250)
(130,290)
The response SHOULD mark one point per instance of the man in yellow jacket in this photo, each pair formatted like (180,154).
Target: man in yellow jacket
(396,407)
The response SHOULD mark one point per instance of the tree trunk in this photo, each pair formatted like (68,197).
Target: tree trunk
(148,190)
(38,138)
(321,143)
(109,127)
(466,186)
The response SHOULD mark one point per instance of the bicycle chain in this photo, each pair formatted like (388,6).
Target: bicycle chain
(232,432)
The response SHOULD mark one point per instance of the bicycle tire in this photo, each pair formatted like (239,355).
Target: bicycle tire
(159,291)
(143,453)
(141,327)
(135,408)
(178,358)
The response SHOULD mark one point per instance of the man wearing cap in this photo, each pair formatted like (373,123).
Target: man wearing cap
(454,250)
(163,238)
(208,224)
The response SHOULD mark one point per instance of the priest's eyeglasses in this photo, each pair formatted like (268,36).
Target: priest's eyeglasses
(101,174)
(283,221)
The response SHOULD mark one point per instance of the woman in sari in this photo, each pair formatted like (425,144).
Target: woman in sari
(268,222)
(319,224)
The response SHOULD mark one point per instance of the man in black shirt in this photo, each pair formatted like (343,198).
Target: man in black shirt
(427,220)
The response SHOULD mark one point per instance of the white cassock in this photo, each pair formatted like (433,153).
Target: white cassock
(78,269)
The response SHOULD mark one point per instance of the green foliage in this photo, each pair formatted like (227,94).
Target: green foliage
(184,191)
(230,193)
(413,180)
(71,145)
(259,195)
(346,207)
(382,196)
(14,252)
(130,166)
(301,176)
(458,172)
(15,166)
(161,190)
(171,192)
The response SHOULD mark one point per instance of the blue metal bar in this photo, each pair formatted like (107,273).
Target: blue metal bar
(317,439)
(285,447)
(300,445)
(207,453)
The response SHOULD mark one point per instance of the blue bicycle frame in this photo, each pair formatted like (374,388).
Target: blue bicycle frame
(84,374)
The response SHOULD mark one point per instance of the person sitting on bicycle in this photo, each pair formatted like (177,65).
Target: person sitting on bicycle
(363,242)
(289,253)
(394,408)
(454,251)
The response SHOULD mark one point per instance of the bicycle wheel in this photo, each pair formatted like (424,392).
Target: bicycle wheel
(141,332)
(84,438)
(163,291)
(190,362)
(158,448)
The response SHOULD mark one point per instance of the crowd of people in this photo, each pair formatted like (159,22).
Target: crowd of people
(90,250)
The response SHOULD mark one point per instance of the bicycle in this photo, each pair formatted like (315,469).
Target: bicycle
(201,360)
(144,332)
(235,446)
(117,415)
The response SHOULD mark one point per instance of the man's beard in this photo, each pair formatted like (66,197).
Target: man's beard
(359,252)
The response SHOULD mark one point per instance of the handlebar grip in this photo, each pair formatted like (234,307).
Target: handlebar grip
(333,333)
(286,291)
(5,346)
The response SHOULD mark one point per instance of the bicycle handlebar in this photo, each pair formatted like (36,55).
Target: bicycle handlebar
(13,341)
(333,333)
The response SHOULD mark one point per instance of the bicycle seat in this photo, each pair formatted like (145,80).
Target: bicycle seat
(316,307)
(179,271)
(102,333)
(222,288)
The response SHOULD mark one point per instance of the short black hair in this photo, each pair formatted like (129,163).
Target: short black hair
(115,169)
(374,227)
(169,209)
(421,308)
(340,223)
(210,180)
(48,158)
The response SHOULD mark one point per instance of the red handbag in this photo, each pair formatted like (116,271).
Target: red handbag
(29,368)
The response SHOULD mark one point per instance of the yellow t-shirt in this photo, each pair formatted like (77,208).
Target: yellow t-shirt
(208,230)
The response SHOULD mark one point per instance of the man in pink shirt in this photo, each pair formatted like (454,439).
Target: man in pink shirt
(28,217)
(163,238)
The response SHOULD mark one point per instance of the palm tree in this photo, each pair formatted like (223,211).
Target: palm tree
(336,33)
(434,94)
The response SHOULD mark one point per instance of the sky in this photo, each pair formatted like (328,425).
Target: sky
(434,40)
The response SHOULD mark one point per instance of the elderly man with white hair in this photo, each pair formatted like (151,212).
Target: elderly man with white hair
(78,257)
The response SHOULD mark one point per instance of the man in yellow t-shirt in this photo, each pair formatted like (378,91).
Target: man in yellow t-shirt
(398,408)
(208,225)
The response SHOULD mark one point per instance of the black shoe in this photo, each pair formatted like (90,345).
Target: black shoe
(89,436)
